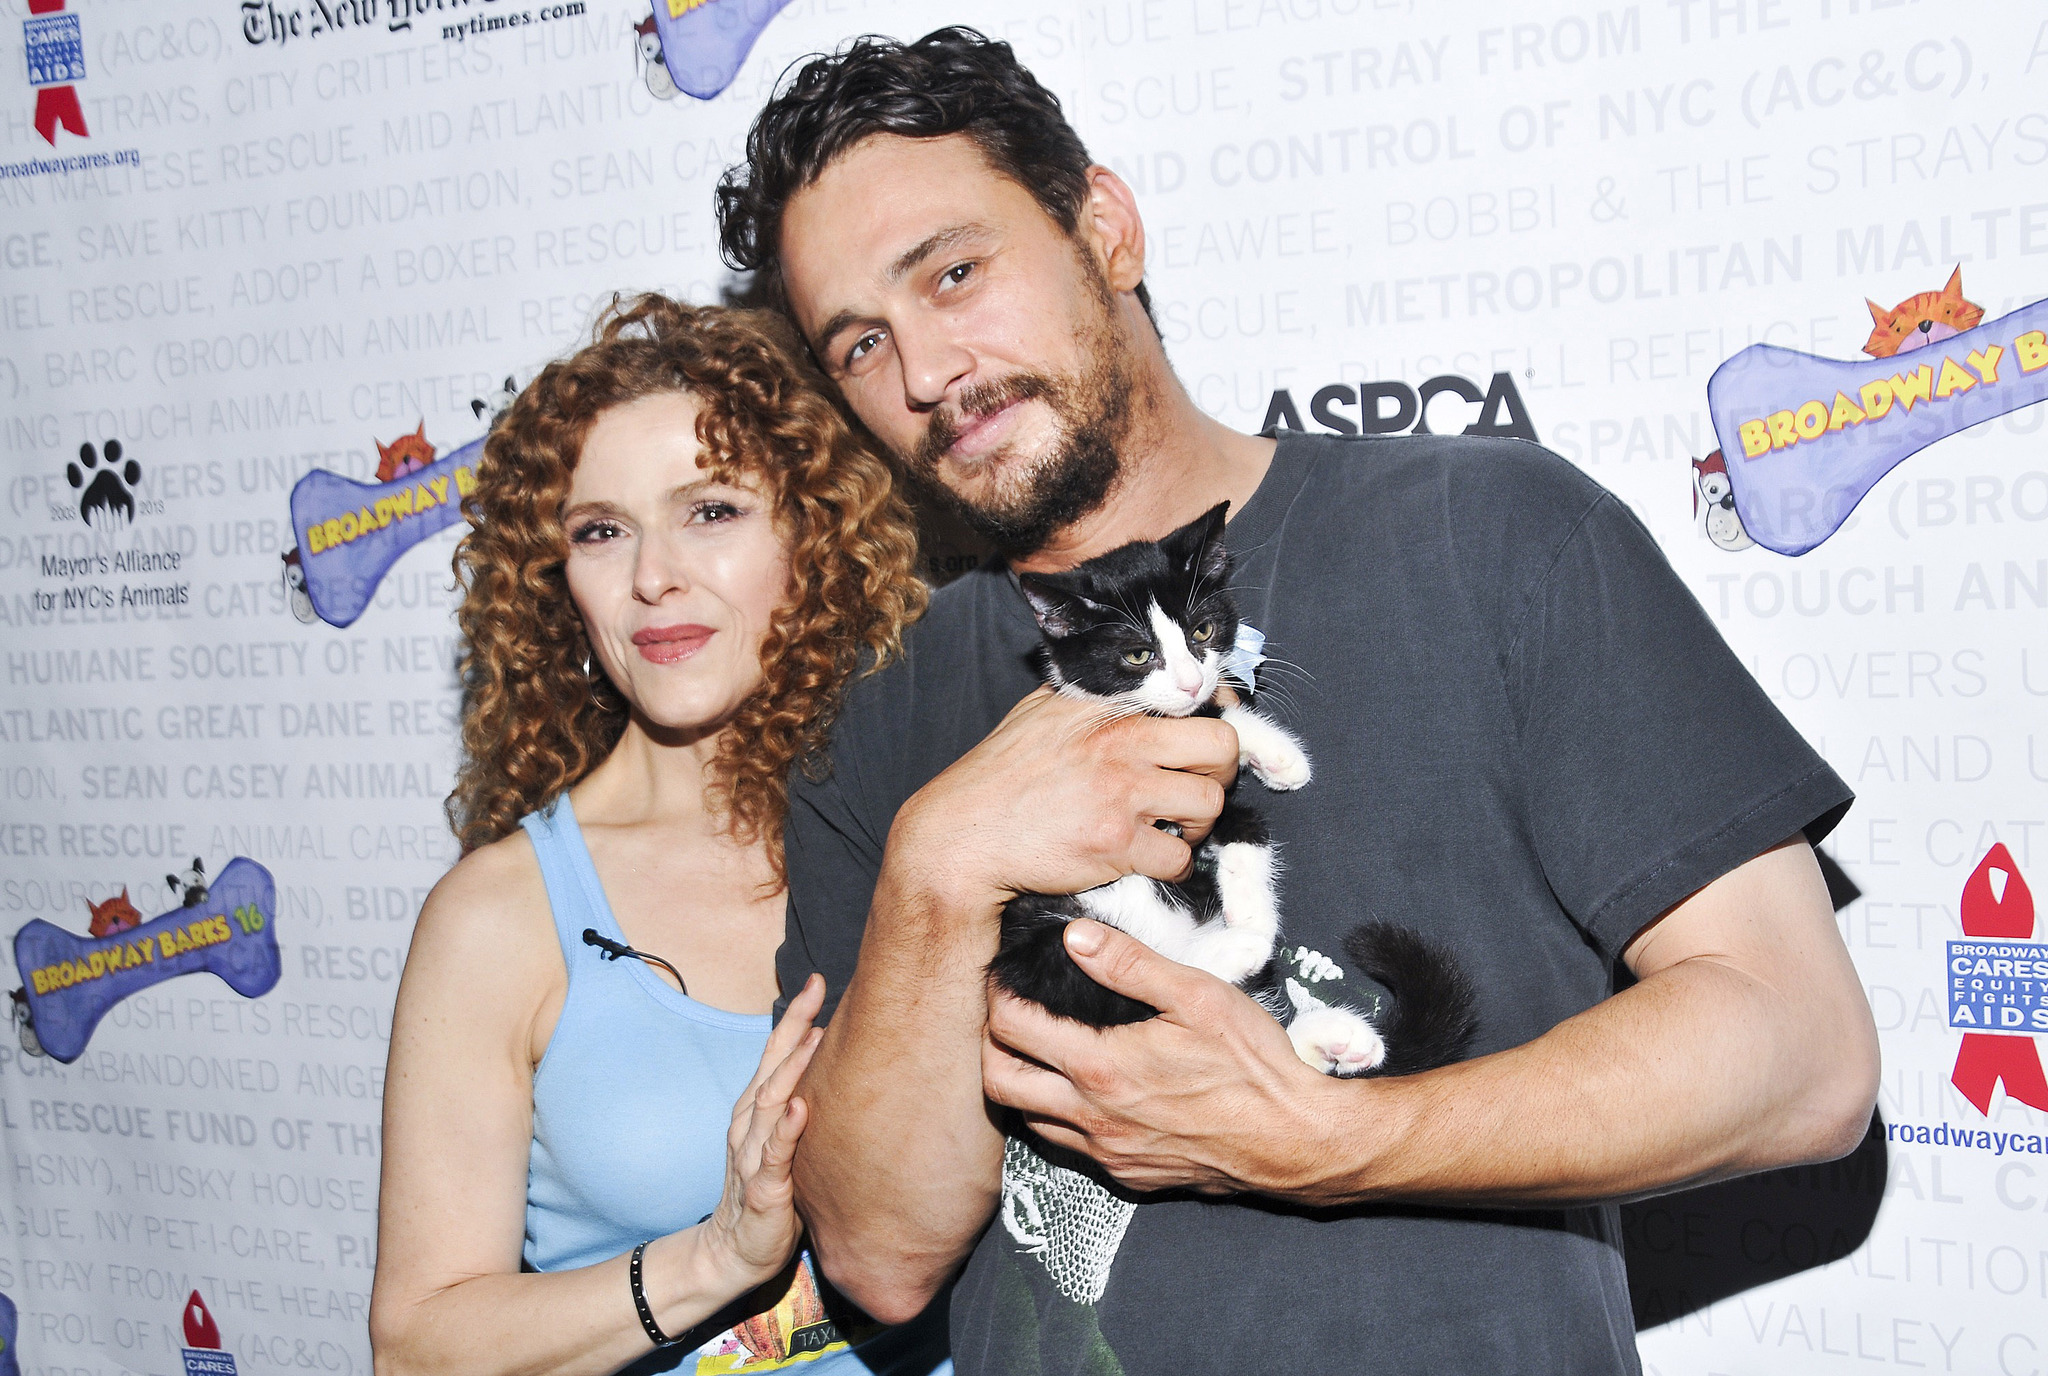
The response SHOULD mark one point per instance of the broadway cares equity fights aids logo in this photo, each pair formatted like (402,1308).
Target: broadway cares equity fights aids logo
(56,58)
(1998,987)
(202,1352)
(1804,438)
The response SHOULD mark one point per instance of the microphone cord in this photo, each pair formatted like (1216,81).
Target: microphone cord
(612,950)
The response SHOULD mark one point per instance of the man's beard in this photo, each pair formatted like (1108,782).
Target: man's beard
(1092,410)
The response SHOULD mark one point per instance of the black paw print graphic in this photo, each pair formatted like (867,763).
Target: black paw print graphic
(108,493)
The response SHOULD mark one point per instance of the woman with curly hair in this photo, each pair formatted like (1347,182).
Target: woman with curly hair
(679,553)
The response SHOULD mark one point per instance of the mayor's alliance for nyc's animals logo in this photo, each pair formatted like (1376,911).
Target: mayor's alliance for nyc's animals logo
(1804,438)
(1997,983)
(226,926)
(110,497)
(55,49)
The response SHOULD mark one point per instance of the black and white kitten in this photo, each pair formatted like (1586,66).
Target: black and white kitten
(1149,628)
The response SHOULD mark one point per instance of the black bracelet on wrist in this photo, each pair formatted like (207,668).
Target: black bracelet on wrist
(640,1306)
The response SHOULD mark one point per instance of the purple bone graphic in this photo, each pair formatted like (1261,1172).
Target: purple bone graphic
(72,981)
(351,533)
(1806,438)
(703,42)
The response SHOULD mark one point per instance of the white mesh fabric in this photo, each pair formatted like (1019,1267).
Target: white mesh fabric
(1065,1219)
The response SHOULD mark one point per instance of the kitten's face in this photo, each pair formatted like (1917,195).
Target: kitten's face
(1145,626)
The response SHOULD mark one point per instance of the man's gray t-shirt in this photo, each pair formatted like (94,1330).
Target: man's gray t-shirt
(1528,740)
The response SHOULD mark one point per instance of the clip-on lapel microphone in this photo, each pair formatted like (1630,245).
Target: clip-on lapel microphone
(612,950)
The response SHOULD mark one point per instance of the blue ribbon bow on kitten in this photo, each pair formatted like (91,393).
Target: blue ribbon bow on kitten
(1242,660)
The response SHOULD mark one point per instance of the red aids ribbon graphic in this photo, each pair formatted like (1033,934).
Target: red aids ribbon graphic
(56,105)
(200,1329)
(1987,1058)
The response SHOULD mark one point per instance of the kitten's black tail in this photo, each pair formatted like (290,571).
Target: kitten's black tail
(1435,1009)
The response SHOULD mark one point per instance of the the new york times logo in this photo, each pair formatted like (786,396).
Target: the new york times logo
(1388,408)
(266,21)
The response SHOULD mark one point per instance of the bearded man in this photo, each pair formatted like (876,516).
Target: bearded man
(1502,679)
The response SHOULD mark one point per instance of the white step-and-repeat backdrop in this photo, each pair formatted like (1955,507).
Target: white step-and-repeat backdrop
(247,241)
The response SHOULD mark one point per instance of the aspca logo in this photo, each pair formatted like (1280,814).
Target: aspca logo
(1390,408)
(56,59)
(1997,980)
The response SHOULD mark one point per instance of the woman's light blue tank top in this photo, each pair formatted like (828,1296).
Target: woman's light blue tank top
(631,1101)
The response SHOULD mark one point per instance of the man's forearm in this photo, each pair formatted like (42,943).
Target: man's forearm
(1626,1099)
(899,1168)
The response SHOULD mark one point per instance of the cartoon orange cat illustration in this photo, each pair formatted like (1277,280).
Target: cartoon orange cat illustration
(1924,319)
(406,454)
(117,914)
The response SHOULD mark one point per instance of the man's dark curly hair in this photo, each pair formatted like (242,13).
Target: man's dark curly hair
(951,81)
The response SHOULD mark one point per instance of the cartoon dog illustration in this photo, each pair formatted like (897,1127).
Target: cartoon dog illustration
(295,595)
(1713,504)
(25,1022)
(654,70)
(190,887)
(488,409)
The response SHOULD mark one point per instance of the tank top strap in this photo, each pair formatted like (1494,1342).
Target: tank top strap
(574,893)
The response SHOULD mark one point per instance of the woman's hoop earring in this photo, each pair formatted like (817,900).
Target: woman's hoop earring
(586,665)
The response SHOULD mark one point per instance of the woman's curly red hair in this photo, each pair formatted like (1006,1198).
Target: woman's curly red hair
(533,723)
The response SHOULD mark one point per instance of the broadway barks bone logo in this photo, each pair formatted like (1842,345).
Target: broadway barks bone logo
(702,42)
(1814,435)
(1998,987)
(351,533)
(72,981)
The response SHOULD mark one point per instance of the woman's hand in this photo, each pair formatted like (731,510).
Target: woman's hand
(755,1228)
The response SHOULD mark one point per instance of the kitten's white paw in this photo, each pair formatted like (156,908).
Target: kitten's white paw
(1269,750)
(1244,884)
(1336,1041)
(1232,954)
(1279,768)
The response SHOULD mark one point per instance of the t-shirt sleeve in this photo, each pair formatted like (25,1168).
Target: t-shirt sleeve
(1653,761)
(833,858)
